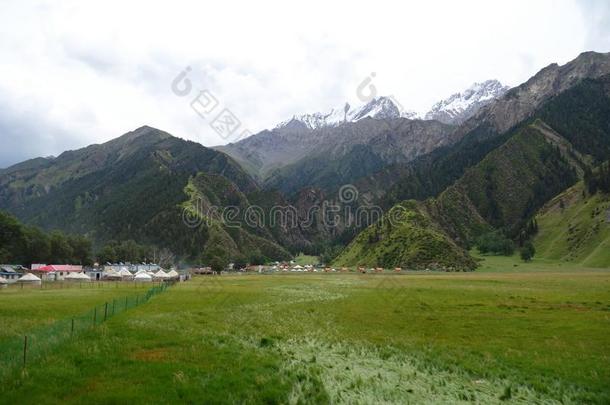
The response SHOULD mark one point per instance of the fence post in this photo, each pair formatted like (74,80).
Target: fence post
(94,315)
(126,299)
(25,350)
(72,328)
(105,312)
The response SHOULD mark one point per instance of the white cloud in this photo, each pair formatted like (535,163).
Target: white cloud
(81,72)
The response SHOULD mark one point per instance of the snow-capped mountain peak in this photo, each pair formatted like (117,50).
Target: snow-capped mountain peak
(377,108)
(461,106)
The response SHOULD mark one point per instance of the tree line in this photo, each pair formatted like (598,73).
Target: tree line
(25,244)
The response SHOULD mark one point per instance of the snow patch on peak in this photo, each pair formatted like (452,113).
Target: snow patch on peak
(377,108)
(461,106)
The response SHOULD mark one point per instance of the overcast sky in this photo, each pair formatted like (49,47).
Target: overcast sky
(83,72)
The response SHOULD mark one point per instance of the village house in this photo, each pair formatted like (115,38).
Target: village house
(9,273)
(56,272)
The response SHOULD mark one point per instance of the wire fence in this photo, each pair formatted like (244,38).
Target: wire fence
(19,352)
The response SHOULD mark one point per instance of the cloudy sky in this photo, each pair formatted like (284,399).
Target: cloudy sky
(84,72)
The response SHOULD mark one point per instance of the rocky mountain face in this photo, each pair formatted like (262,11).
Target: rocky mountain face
(311,143)
(520,103)
(460,106)
(576,89)
(295,156)
(344,154)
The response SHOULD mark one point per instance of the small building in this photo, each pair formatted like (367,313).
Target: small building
(94,273)
(56,272)
(9,273)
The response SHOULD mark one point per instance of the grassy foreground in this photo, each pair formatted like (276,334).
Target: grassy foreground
(489,336)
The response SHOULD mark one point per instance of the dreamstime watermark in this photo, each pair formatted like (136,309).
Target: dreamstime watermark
(207,106)
(346,213)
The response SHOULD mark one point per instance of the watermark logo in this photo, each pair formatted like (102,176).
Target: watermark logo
(208,107)
(181,85)
(225,124)
(391,290)
(366,90)
(348,194)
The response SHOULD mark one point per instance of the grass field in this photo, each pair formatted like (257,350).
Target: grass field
(24,309)
(527,333)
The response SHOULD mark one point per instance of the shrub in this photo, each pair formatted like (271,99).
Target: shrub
(528,251)
(495,243)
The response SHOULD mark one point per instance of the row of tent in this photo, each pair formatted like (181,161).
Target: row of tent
(140,276)
(26,278)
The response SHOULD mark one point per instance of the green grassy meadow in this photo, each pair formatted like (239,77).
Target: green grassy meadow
(21,310)
(527,333)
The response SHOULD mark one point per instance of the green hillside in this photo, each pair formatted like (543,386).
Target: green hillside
(575,227)
(136,187)
(502,191)
(408,237)
(502,180)
(511,183)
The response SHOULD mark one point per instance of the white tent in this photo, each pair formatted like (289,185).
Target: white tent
(125,274)
(297,267)
(173,274)
(161,275)
(142,278)
(29,278)
(78,277)
(111,274)
(75,277)
(3,282)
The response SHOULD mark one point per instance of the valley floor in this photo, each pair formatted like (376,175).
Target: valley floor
(533,332)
